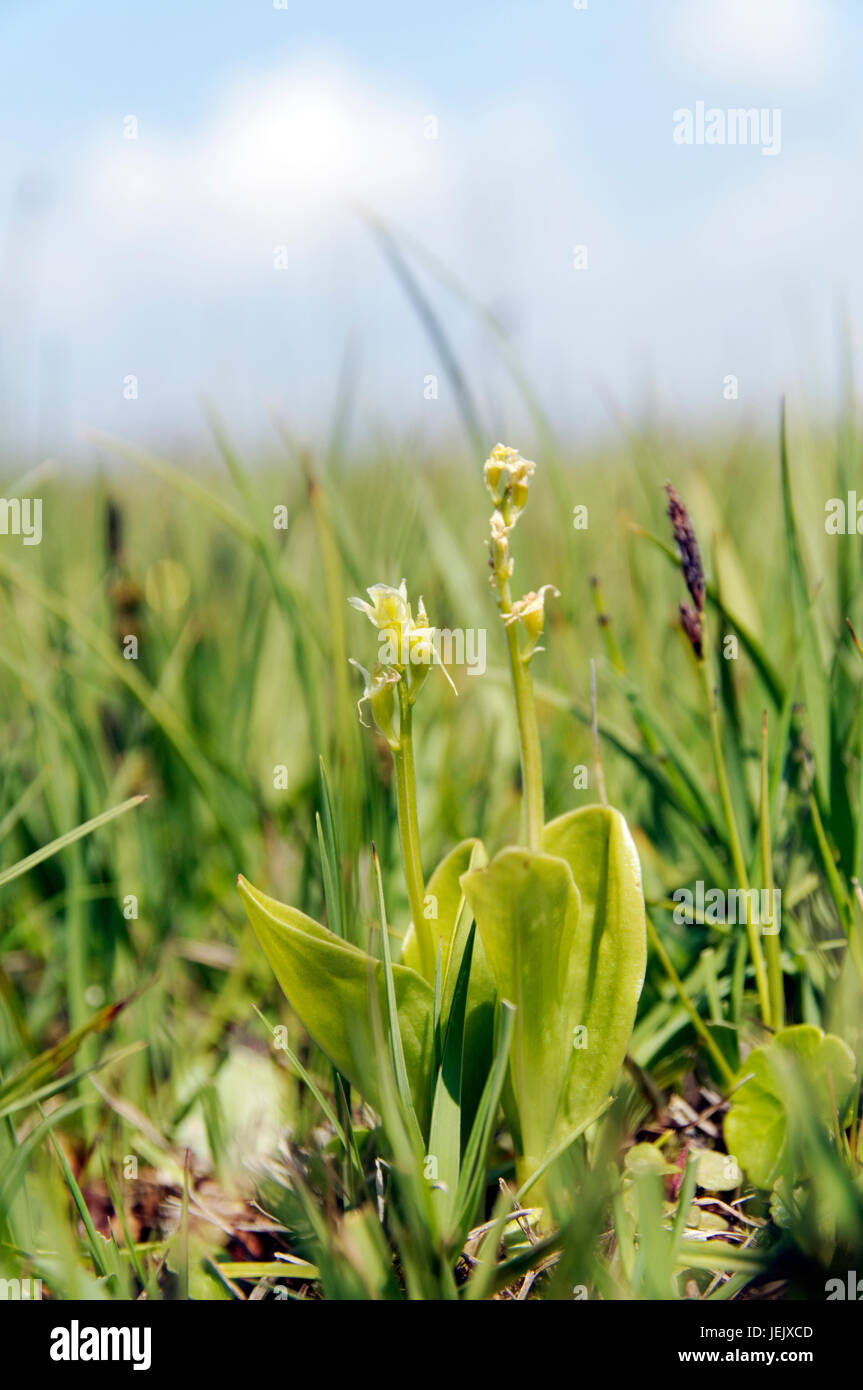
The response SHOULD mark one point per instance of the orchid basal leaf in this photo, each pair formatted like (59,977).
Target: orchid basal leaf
(564,935)
(444,898)
(450,927)
(327,982)
(526,907)
(607,969)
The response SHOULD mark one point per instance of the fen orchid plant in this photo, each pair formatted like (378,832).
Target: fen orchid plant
(520,974)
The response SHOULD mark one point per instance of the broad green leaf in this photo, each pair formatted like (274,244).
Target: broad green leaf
(717,1172)
(758,1122)
(607,968)
(328,983)
(564,935)
(526,907)
(450,929)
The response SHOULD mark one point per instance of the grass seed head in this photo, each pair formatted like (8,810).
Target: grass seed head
(684,535)
(693,573)
(691,623)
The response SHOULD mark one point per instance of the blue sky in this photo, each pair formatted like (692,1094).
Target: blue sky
(261,128)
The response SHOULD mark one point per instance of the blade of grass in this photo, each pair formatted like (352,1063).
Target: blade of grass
(445,1130)
(774,951)
(24,865)
(397,1055)
(48,1062)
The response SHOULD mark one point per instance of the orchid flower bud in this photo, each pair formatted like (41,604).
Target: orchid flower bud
(531,611)
(500,558)
(507,477)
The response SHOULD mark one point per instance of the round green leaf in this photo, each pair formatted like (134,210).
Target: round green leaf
(801,1061)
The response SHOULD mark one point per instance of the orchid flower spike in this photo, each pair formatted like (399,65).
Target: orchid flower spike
(408,650)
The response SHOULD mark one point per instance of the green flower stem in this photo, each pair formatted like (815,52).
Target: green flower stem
(406,796)
(528,732)
(737,859)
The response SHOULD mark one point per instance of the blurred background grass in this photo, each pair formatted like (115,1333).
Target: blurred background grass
(153,258)
(243,636)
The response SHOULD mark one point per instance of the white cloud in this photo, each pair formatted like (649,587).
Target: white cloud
(282,162)
(157,256)
(785,42)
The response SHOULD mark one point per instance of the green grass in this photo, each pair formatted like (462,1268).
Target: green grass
(127,1162)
